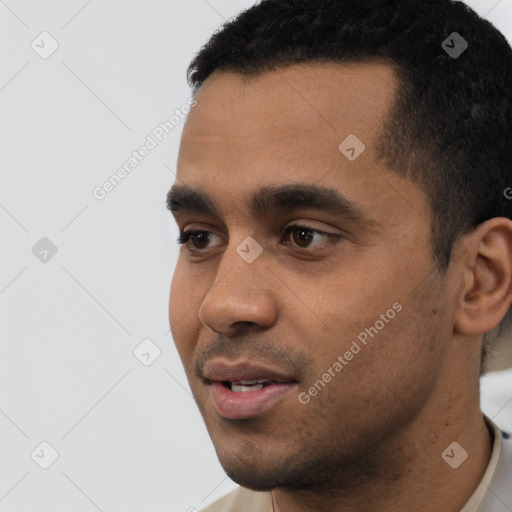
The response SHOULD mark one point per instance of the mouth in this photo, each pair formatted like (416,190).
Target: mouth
(244,386)
(244,391)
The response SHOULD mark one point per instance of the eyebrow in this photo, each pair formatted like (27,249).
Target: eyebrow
(282,198)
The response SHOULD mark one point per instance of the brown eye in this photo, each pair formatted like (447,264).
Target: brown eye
(200,239)
(195,239)
(303,236)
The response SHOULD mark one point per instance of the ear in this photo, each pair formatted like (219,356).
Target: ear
(485,263)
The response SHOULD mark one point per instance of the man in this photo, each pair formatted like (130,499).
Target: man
(346,257)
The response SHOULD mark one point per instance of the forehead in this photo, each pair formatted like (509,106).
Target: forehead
(299,114)
(301,97)
(285,126)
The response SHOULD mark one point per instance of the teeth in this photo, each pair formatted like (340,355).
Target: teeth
(240,388)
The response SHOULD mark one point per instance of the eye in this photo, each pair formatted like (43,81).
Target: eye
(197,237)
(303,236)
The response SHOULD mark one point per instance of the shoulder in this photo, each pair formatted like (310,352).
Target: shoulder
(242,500)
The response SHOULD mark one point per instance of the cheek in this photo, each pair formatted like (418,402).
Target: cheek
(187,289)
(390,330)
(389,377)
(403,360)
(183,320)
(175,305)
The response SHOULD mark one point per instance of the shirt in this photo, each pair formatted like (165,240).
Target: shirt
(493,494)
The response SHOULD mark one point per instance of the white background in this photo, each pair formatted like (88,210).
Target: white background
(129,436)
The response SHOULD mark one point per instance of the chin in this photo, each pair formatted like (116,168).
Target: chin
(257,476)
(264,470)
(251,465)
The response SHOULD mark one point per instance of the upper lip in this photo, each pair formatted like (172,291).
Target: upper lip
(233,372)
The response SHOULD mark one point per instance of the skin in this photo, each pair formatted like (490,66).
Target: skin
(372,438)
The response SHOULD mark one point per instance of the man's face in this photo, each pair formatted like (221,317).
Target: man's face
(289,303)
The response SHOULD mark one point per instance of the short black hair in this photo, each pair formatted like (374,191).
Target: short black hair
(450,129)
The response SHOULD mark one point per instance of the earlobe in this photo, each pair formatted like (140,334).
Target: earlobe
(486,277)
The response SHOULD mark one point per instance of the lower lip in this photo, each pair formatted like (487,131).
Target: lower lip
(246,404)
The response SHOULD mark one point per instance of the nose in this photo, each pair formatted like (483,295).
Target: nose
(241,295)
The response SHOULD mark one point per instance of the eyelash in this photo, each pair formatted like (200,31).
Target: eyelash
(186,236)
